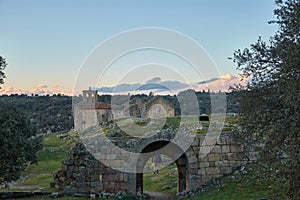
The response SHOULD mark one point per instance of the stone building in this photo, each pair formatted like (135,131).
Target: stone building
(90,112)
(153,107)
(159,107)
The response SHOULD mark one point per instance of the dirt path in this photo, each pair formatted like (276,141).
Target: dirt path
(159,196)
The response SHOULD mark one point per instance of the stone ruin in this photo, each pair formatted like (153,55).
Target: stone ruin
(207,158)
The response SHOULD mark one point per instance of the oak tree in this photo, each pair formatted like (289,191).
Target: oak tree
(270,103)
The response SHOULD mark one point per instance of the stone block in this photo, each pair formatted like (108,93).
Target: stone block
(195,143)
(202,171)
(196,149)
(235,149)
(230,156)
(210,141)
(203,159)
(204,150)
(193,159)
(222,163)
(213,170)
(194,171)
(194,165)
(225,149)
(226,170)
(213,157)
(216,149)
(204,164)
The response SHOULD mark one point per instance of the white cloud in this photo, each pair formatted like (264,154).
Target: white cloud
(223,83)
(41,89)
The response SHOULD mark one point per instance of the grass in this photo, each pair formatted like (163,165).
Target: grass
(251,185)
(38,177)
(157,183)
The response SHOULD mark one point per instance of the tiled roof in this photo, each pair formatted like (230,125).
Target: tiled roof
(96,106)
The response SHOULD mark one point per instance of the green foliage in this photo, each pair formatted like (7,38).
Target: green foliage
(3,65)
(172,122)
(46,113)
(270,103)
(18,144)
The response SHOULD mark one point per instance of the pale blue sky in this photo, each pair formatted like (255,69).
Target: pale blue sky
(46,41)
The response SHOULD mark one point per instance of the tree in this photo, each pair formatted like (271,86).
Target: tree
(3,65)
(18,144)
(270,103)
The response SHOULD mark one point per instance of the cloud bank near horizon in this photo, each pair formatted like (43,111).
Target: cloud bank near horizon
(156,85)
(41,89)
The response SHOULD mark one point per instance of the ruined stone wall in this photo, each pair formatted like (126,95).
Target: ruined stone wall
(82,173)
(217,157)
(159,107)
(208,158)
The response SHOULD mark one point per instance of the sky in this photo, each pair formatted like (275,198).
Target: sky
(46,42)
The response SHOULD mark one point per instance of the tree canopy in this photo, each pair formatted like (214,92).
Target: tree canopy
(270,103)
(18,144)
(3,65)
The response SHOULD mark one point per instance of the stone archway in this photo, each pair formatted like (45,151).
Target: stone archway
(171,150)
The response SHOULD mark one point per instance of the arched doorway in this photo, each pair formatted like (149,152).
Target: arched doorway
(171,150)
